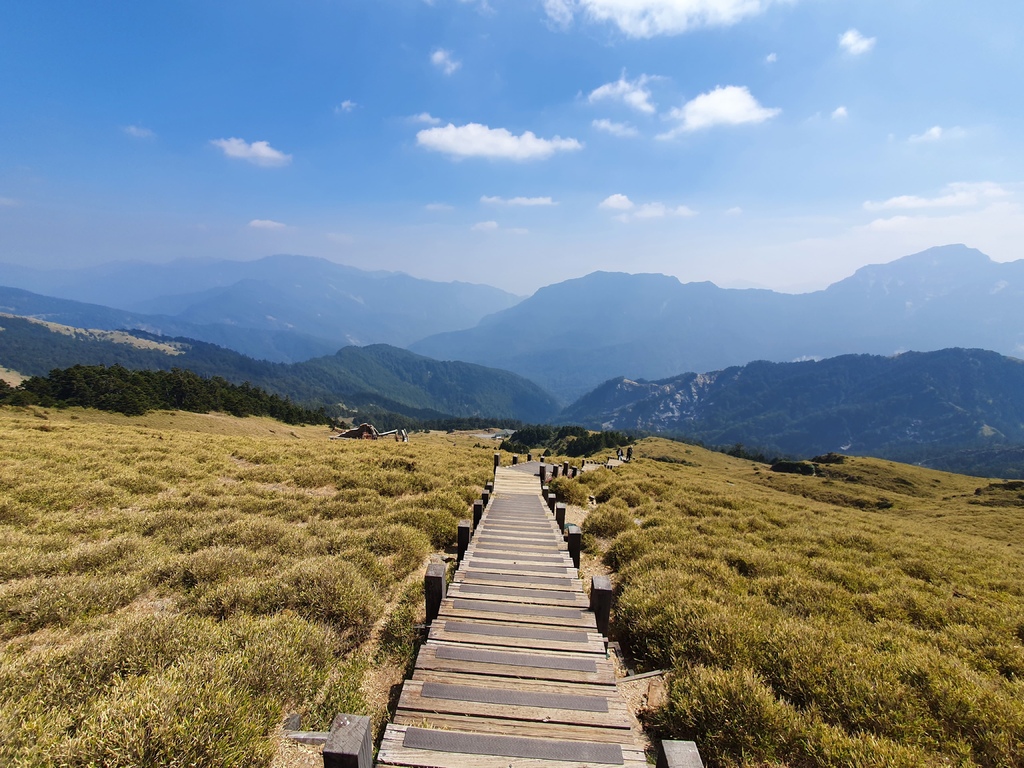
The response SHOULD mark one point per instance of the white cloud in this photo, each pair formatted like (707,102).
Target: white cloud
(630,211)
(476,140)
(854,43)
(138,132)
(346,106)
(771,58)
(439,207)
(955,195)
(622,130)
(632,93)
(8,202)
(616,202)
(484,226)
(267,224)
(729,105)
(257,153)
(938,133)
(840,113)
(518,201)
(425,118)
(649,18)
(734,211)
(442,59)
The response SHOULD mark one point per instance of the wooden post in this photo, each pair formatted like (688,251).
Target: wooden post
(515,459)
(349,743)
(529,456)
(434,589)
(465,527)
(485,497)
(679,754)
(574,537)
(543,474)
(478,512)
(489,486)
(565,468)
(560,515)
(601,601)
(554,470)
(552,499)
(497,460)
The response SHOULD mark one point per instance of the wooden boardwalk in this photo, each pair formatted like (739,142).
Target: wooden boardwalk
(514,671)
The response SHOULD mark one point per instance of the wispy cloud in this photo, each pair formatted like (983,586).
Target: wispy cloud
(257,153)
(729,105)
(622,130)
(771,58)
(425,118)
(629,211)
(493,226)
(632,93)
(854,43)
(267,224)
(476,140)
(840,113)
(518,201)
(650,18)
(955,195)
(138,132)
(444,61)
(346,106)
(937,133)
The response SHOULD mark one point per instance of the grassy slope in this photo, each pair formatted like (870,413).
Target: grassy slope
(871,617)
(171,585)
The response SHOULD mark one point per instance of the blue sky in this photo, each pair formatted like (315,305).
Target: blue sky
(777,143)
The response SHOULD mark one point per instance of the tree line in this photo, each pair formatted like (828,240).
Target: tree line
(135,392)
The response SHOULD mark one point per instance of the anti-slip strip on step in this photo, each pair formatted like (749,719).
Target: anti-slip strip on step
(480,656)
(486,606)
(513,746)
(523,633)
(513,698)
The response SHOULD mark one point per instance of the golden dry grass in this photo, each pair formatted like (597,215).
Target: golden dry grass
(171,585)
(873,616)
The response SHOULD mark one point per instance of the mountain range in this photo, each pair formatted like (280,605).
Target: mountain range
(376,377)
(919,407)
(572,336)
(281,308)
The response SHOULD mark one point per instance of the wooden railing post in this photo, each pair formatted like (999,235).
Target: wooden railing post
(478,512)
(485,497)
(529,456)
(679,754)
(515,459)
(543,473)
(497,460)
(560,516)
(601,601)
(565,468)
(554,470)
(552,500)
(575,539)
(465,528)
(349,743)
(434,589)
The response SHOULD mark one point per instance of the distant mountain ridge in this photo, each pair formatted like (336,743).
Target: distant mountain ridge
(571,336)
(307,305)
(924,407)
(377,377)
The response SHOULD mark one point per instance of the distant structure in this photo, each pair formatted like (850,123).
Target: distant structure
(369,432)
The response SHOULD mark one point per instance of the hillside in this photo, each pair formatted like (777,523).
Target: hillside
(938,408)
(356,377)
(297,301)
(172,585)
(653,326)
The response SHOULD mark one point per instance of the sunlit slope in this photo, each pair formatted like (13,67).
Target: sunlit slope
(872,615)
